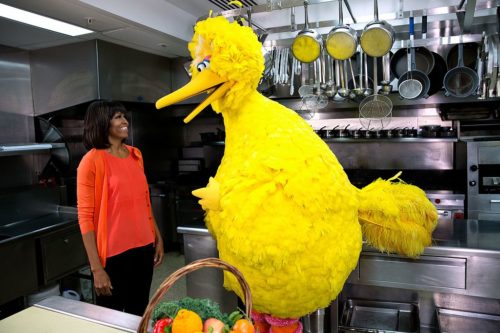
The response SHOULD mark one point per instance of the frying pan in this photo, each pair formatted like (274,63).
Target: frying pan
(437,74)
(460,81)
(414,73)
(424,60)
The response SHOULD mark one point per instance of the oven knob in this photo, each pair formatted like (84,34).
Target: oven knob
(473,168)
(472,183)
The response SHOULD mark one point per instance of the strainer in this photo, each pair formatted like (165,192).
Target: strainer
(375,108)
(460,81)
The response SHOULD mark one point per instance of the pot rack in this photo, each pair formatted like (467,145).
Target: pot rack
(465,21)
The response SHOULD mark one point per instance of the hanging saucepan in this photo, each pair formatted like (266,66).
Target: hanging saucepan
(460,81)
(342,40)
(306,46)
(377,37)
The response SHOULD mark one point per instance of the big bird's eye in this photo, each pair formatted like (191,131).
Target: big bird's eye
(203,65)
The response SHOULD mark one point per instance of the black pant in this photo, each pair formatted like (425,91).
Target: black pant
(130,273)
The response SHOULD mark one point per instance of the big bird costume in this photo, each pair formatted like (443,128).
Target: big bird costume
(280,206)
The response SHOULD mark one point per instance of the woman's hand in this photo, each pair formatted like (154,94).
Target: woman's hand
(102,283)
(159,252)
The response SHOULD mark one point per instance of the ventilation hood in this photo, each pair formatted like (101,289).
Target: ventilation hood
(64,76)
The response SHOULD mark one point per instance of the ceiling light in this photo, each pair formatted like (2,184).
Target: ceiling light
(41,21)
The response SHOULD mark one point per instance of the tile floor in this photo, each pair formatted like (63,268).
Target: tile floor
(171,262)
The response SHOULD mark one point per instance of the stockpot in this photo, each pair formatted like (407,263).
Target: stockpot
(377,37)
(307,45)
(342,40)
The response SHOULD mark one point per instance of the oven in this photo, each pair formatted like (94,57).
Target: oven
(450,207)
(483,176)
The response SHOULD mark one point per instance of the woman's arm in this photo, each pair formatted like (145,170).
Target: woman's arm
(86,182)
(102,283)
(159,250)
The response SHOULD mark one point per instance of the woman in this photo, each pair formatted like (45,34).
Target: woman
(119,231)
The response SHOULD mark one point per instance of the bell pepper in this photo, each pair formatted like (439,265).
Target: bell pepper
(163,325)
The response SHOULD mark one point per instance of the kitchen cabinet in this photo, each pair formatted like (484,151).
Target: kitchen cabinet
(60,253)
(19,269)
(425,272)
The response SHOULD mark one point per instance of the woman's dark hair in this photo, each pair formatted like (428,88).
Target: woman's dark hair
(96,123)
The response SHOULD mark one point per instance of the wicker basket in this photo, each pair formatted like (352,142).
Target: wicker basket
(195,265)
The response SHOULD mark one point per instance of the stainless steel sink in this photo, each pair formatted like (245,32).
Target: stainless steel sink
(26,227)
(4,237)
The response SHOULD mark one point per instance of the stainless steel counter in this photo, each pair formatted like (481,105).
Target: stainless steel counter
(57,314)
(466,237)
(467,262)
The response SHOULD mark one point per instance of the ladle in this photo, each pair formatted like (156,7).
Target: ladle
(368,91)
(343,91)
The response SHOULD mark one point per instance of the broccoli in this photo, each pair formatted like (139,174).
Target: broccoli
(205,308)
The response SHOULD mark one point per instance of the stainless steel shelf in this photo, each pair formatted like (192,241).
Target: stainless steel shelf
(389,140)
(27,148)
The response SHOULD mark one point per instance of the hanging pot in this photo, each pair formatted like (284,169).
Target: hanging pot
(377,37)
(460,81)
(342,40)
(306,46)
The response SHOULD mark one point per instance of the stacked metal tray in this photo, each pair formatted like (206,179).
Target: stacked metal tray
(454,321)
(377,317)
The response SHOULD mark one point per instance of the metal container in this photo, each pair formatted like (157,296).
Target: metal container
(375,316)
(462,321)
(314,322)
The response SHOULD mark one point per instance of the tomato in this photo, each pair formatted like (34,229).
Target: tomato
(243,326)
(213,325)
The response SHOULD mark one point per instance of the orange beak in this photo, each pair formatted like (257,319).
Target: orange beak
(205,81)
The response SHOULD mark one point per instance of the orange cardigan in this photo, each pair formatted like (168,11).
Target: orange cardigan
(92,196)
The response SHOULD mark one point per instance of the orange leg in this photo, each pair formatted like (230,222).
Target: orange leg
(260,323)
(282,325)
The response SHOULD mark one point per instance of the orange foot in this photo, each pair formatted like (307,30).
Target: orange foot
(284,325)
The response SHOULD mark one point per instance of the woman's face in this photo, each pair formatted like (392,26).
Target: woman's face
(118,127)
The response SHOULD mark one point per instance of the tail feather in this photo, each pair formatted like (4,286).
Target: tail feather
(396,217)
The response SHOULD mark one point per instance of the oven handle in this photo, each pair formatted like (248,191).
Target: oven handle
(443,212)
(494,201)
